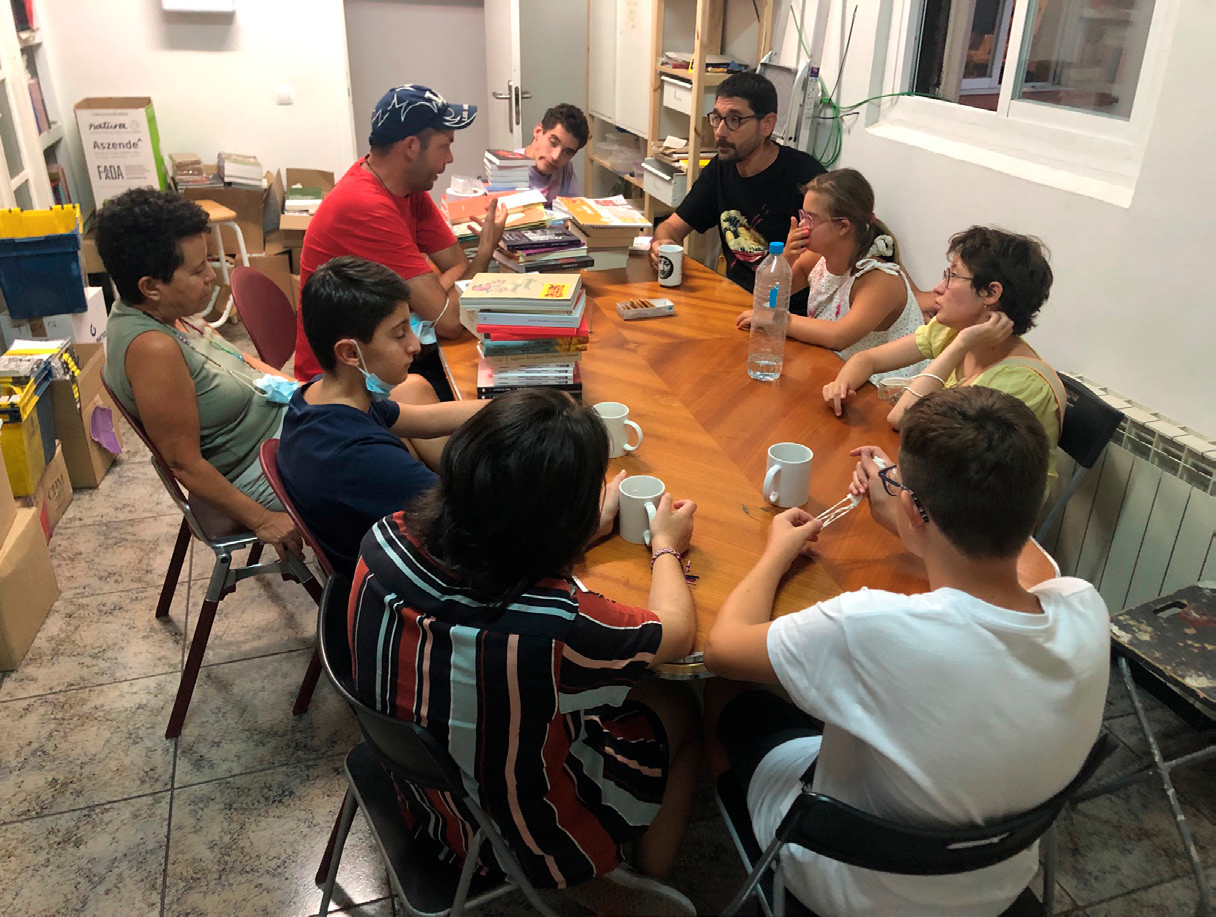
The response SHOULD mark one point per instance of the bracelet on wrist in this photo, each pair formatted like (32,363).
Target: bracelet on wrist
(931,376)
(686,565)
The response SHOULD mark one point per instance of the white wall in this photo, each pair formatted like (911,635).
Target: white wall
(1133,305)
(440,45)
(212,78)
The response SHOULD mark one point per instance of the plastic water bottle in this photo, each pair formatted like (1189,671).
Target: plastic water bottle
(770,315)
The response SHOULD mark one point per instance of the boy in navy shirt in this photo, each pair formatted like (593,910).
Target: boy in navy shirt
(342,457)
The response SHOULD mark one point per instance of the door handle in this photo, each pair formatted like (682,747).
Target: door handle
(501,95)
(525,94)
(518,96)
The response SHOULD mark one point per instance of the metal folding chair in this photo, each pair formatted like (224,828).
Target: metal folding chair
(1164,645)
(224,536)
(839,831)
(427,886)
(267,314)
(1089,423)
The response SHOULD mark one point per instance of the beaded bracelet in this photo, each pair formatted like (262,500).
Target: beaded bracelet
(932,376)
(687,565)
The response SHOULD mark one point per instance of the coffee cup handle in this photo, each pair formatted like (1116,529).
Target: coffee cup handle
(629,448)
(650,511)
(770,481)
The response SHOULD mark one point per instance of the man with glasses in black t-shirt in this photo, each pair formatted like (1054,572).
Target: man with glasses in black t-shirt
(750,190)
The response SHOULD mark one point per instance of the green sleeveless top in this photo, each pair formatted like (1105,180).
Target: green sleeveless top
(233,420)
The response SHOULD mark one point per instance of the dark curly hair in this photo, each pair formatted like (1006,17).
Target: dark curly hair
(1018,263)
(571,118)
(139,234)
(519,493)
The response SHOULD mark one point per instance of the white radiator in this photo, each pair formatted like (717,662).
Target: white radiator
(1143,521)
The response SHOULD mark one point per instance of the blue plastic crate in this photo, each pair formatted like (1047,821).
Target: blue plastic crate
(40,275)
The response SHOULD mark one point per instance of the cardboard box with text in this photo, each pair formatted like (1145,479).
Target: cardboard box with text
(27,587)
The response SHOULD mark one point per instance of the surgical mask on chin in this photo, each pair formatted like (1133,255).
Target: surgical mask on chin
(376,387)
(276,389)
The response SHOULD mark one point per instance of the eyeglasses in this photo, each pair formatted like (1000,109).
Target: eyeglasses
(893,487)
(809,220)
(948,275)
(732,122)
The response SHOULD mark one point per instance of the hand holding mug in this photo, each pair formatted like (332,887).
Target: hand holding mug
(672,524)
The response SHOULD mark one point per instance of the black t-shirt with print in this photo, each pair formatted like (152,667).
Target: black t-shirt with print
(750,212)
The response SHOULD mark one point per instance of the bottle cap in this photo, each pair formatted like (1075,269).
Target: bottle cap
(776,248)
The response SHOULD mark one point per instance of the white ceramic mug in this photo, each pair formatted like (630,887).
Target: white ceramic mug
(616,418)
(640,496)
(788,479)
(671,265)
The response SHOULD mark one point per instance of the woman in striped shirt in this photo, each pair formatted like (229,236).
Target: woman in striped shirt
(464,617)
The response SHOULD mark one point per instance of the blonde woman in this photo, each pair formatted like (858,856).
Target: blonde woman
(858,295)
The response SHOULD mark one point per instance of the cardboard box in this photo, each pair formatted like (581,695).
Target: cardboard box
(308,178)
(27,587)
(88,327)
(53,495)
(88,248)
(8,506)
(121,145)
(86,459)
(257,212)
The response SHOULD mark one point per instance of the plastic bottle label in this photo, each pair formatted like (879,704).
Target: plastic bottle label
(772,296)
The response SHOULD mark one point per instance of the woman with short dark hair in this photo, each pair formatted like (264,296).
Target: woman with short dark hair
(988,298)
(465,617)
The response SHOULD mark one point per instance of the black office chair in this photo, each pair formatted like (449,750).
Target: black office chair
(1089,423)
(427,886)
(829,827)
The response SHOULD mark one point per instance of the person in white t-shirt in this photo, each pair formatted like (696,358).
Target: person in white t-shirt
(971,702)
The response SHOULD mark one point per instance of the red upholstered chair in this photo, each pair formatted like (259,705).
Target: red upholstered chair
(267,315)
(268,455)
(224,536)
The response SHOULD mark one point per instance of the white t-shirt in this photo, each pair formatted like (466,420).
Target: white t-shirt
(941,710)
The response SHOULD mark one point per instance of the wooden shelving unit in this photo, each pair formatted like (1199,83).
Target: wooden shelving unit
(707,39)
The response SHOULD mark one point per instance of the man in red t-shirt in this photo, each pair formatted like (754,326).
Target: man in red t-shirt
(381,210)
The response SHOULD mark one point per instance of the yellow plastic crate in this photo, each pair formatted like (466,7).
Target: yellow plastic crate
(21,224)
(21,438)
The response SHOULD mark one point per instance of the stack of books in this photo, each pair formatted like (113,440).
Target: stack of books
(507,169)
(301,199)
(542,250)
(607,226)
(187,171)
(533,330)
(241,169)
(714,63)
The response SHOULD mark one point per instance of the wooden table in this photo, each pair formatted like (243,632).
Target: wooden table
(707,429)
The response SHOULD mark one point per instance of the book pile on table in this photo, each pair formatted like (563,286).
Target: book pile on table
(507,169)
(606,225)
(533,330)
(241,169)
(542,250)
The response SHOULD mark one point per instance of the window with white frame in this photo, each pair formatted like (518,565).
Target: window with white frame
(1083,55)
(1061,92)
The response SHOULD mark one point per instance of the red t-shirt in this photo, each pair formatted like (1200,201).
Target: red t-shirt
(361,217)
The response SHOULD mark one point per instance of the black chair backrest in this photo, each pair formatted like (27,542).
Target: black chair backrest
(841,832)
(404,748)
(1089,423)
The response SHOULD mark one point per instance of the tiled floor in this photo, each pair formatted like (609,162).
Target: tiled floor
(101,815)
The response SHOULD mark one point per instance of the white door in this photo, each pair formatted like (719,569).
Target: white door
(503,74)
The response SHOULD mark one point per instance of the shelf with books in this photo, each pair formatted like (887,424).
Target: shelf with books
(602,162)
(709,79)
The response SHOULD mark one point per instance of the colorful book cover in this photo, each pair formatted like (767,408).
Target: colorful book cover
(488,321)
(557,290)
(602,212)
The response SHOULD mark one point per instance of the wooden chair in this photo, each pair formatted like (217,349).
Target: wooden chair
(224,536)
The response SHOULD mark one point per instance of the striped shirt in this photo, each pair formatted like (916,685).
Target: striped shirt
(530,700)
